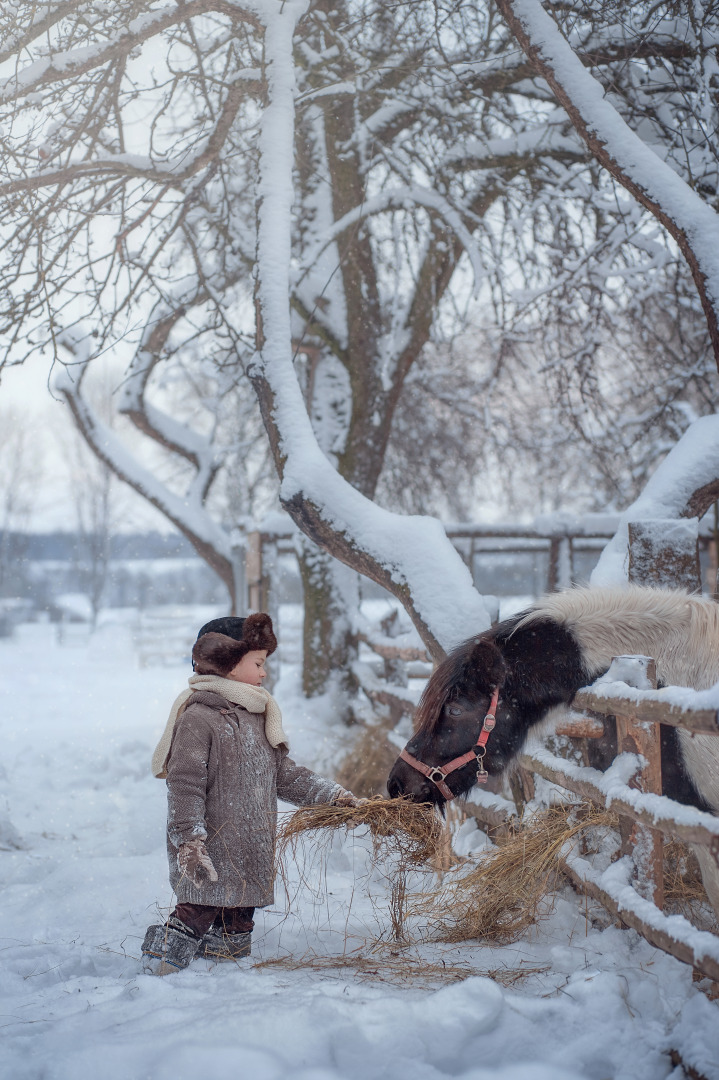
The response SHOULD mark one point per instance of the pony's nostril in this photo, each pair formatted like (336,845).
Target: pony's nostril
(393,789)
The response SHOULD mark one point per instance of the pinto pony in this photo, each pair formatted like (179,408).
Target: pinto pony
(537,661)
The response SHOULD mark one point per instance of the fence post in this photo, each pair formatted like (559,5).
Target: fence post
(253,571)
(238,549)
(560,568)
(644,844)
(663,553)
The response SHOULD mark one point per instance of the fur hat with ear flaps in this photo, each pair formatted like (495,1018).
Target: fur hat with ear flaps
(222,643)
(214,655)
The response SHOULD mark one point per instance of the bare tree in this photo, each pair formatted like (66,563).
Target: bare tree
(675,106)
(19,455)
(415,175)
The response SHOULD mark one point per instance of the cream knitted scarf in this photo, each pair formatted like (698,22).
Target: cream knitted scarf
(253,698)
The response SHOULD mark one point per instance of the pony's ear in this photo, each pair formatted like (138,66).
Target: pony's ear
(483,669)
(472,670)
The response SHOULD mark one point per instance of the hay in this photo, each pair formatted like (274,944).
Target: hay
(684,892)
(505,892)
(398,970)
(503,895)
(406,831)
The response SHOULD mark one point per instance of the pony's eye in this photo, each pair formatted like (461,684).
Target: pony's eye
(455,712)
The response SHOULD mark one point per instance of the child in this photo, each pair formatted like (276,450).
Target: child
(225,758)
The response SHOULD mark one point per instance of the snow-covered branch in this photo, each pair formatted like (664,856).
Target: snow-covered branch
(411,556)
(685,485)
(692,222)
(61,65)
(175,436)
(187,512)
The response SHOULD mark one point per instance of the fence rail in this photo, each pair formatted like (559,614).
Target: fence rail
(632,889)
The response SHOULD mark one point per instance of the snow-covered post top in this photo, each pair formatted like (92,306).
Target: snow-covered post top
(412,556)
(691,221)
(683,486)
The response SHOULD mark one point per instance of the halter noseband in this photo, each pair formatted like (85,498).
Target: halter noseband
(439,773)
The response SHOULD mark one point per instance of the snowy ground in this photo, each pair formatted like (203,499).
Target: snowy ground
(78,724)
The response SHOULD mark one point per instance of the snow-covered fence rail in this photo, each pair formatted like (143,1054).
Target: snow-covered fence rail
(632,888)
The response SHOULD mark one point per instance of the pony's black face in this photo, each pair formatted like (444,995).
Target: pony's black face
(538,666)
(450,717)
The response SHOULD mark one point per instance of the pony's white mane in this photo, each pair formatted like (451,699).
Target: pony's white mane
(679,630)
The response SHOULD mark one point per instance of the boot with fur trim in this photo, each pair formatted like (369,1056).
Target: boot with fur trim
(168,948)
(218,946)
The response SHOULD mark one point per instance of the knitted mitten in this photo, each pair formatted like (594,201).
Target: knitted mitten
(195,864)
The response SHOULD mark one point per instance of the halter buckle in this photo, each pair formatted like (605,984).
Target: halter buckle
(436,775)
(489,722)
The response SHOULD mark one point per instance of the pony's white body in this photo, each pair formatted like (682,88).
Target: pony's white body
(681,632)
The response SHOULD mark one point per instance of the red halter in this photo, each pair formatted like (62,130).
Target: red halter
(439,773)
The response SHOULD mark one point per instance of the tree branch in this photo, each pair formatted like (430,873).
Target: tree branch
(187,514)
(411,556)
(689,220)
(61,67)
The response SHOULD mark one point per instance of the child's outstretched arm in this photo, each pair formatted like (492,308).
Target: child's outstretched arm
(302,787)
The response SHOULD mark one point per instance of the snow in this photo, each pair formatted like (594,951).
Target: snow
(78,726)
(631,670)
(187,511)
(680,697)
(691,464)
(615,880)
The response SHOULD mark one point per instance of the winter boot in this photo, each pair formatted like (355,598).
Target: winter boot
(218,946)
(168,948)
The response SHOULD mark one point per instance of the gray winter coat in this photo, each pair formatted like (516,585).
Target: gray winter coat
(223,782)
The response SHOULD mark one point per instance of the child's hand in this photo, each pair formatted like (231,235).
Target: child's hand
(194,863)
(346,799)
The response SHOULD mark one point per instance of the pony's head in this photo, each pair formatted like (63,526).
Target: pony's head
(449,719)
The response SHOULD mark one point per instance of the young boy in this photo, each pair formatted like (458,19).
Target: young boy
(224,755)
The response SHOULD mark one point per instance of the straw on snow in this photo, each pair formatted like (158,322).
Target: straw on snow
(399,968)
(501,896)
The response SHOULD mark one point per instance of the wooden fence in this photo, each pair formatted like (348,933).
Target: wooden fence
(632,888)
(257,552)
(556,548)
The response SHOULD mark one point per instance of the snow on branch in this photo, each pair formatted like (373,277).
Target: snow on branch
(400,198)
(545,140)
(158,425)
(411,556)
(685,485)
(692,222)
(141,166)
(186,512)
(61,66)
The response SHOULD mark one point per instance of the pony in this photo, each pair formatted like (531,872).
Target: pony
(536,661)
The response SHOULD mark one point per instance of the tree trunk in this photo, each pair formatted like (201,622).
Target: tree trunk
(329,644)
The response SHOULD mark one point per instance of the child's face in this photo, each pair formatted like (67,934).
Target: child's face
(251,668)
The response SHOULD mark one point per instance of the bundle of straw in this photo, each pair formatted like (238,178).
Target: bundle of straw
(501,896)
(409,831)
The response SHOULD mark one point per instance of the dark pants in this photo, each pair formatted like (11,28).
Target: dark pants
(200,917)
